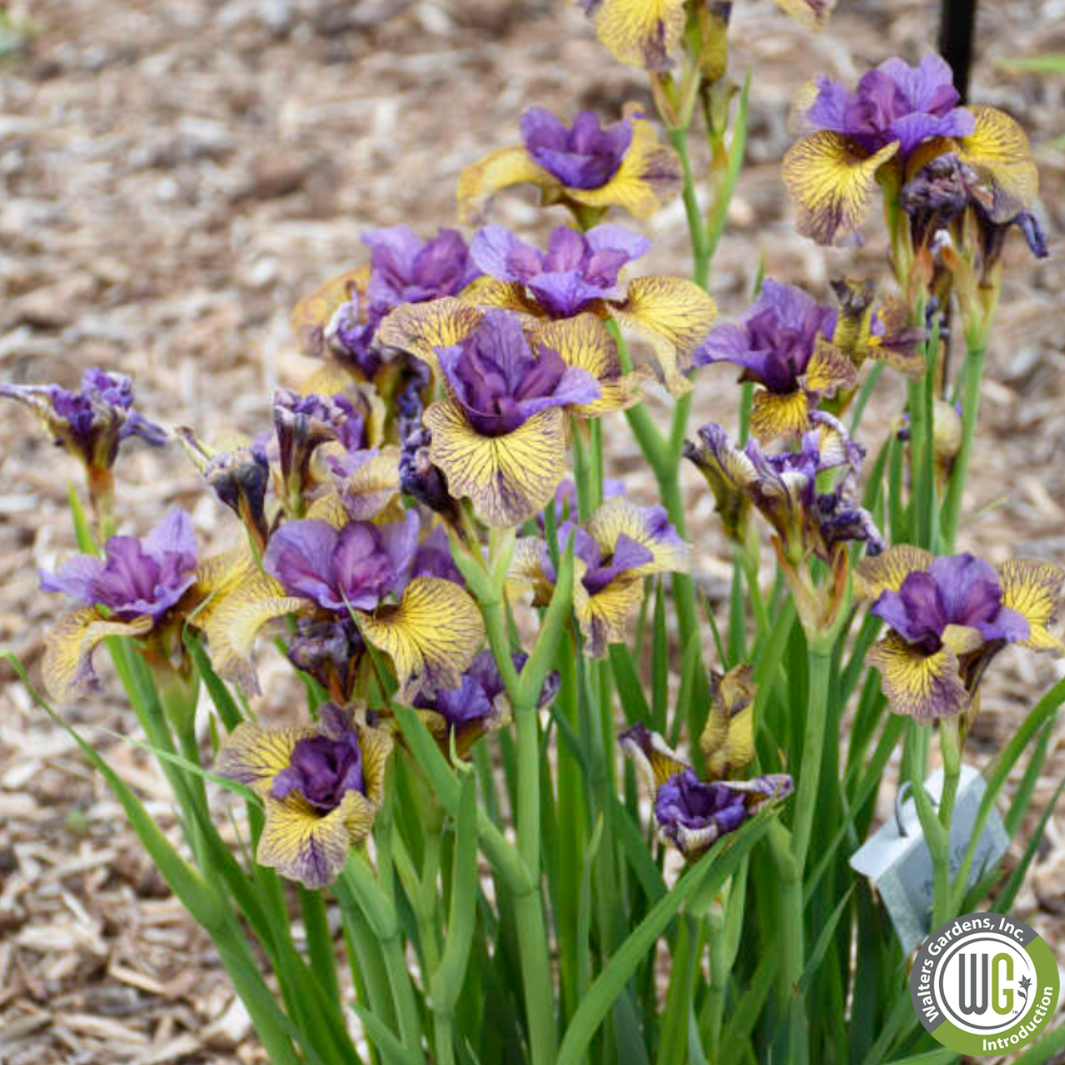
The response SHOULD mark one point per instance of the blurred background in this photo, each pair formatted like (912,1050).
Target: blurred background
(176,174)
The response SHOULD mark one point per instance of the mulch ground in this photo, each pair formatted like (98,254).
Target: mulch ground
(175,173)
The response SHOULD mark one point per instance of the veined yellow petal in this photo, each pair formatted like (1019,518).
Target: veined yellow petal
(727,741)
(254,755)
(649,174)
(918,685)
(831,180)
(585,342)
(604,617)
(829,369)
(813,14)
(366,494)
(235,621)
(620,516)
(887,571)
(67,663)
(487,292)
(376,745)
(305,846)
(998,149)
(314,312)
(419,328)
(641,33)
(1033,589)
(674,315)
(479,182)
(431,636)
(779,416)
(526,562)
(509,478)
(656,760)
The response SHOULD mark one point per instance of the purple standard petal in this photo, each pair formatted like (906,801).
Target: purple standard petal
(322,769)
(406,269)
(300,556)
(77,578)
(584,157)
(828,111)
(503,256)
(364,562)
(433,558)
(500,383)
(776,337)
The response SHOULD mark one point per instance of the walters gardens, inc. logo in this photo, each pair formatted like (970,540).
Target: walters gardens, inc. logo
(985,984)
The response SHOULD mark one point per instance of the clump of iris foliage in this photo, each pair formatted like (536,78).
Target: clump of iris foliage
(448,841)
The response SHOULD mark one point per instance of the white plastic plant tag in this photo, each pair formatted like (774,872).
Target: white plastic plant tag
(898,862)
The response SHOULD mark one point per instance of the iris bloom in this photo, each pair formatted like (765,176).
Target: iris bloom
(783,487)
(92,423)
(783,344)
(620,545)
(336,570)
(947,618)
(727,742)
(691,814)
(498,436)
(646,33)
(132,591)
(578,274)
(321,787)
(478,705)
(879,330)
(897,120)
(585,166)
(342,316)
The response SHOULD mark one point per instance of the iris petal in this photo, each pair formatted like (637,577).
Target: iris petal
(776,416)
(313,313)
(674,315)
(304,846)
(254,755)
(431,636)
(829,369)
(420,328)
(641,33)
(499,170)
(1033,590)
(604,617)
(67,663)
(655,758)
(509,478)
(649,174)
(998,149)
(887,571)
(918,685)
(647,526)
(831,180)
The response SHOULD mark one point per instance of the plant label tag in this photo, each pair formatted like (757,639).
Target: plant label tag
(898,863)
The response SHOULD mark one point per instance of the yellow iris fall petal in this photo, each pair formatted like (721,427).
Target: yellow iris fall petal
(998,149)
(431,636)
(499,170)
(831,181)
(1033,589)
(508,478)
(776,416)
(674,315)
(618,517)
(419,328)
(67,664)
(915,684)
(641,33)
(314,312)
(886,571)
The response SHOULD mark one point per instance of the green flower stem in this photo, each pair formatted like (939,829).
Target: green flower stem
(950,746)
(357,886)
(700,238)
(444,1039)
(528,907)
(792,943)
(975,362)
(814,739)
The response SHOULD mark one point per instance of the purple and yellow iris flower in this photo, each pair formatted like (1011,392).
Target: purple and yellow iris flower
(134,590)
(342,317)
(499,436)
(586,166)
(783,344)
(692,814)
(948,617)
(321,786)
(619,545)
(897,120)
(578,276)
(336,569)
(478,705)
(646,33)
